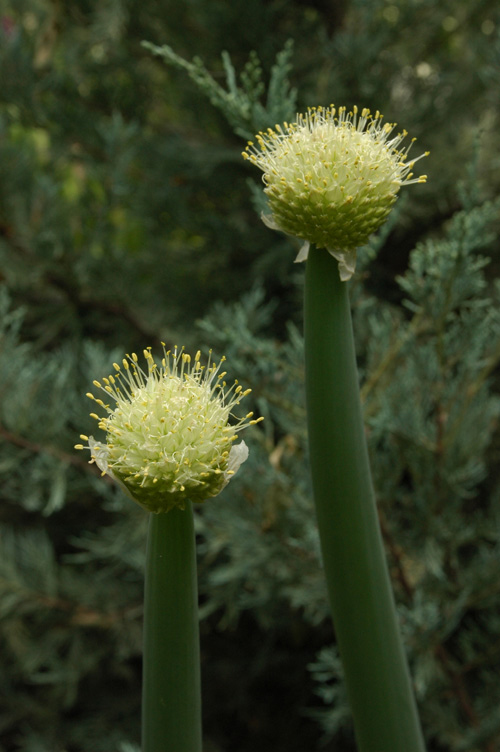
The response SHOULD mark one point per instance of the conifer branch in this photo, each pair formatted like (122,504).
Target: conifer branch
(39,448)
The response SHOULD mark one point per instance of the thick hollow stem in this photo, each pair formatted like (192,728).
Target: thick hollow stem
(359,588)
(171,697)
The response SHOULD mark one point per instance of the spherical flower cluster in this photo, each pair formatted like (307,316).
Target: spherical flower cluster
(332,178)
(168,434)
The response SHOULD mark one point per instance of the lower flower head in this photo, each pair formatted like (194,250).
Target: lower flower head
(332,177)
(168,434)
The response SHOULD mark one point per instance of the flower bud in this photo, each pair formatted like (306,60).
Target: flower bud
(332,177)
(168,437)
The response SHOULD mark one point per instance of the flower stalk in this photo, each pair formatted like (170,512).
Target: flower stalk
(359,588)
(171,691)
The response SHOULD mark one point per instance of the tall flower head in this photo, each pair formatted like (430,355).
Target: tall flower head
(332,178)
(168,437)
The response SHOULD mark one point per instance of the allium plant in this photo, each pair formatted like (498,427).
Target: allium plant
(331,179)
(169,443)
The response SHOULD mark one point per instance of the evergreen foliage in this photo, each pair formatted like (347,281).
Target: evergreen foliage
(127,216)
(241,105)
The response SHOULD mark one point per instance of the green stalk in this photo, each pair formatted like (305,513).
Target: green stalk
(171,696)
(359,588)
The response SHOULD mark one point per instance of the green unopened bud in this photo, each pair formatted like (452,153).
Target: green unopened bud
(332,178)
(168,435)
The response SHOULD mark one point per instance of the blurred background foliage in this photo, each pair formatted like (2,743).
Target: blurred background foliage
(127,217)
